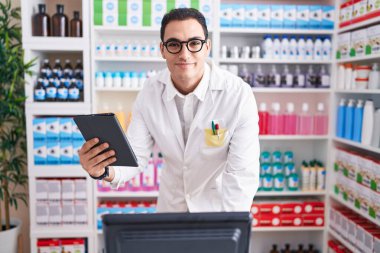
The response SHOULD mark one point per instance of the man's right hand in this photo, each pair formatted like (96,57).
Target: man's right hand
(94,162)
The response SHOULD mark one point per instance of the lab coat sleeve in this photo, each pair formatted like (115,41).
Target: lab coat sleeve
(142,143)
(240,179)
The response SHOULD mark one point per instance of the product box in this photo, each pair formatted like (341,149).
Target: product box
(290,220)
(291,208)
(344,44)
(39,152)
(73,245)
(373,34)
(314,207)
(66,152)
(48,246)
(363,199)
(270,208)
(41,189)
(65,129)
(269,221)
(52,152)
(366,238)
(54,189)
(350,168)
(352,228)
(100,211)
(328,17)
(110,19)
(375,185)
(315,220)
(80,212)
(39,129)
(376,243)
(315,16)
(226,15)
(238,15)
(368,175)
(80,189)
(332,218)
(345,14)
(52,128)
(264,16)
(110,6)
(55,213)
(374,206)
(359,8)
(344,226)
(277,16)
(135,12)
(42,213)
(68,189)
(182,3)
(158,12)
(373,6)
(302,17)
(76,134)
(68,212)
(251,15)
(350,194)
(205,7)
(76,146)
(290,16)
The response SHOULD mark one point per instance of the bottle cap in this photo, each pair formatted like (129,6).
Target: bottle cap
(67,61)
(42,8)
(305,107)
(320,107)
(263,107)
(276,107)
(76,14)
(290,107)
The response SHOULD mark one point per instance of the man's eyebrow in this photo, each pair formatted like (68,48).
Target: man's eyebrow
(192,38)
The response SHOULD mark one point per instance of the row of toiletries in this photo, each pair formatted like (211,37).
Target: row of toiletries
(359,77)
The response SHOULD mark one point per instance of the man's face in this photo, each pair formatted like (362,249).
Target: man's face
(186,68)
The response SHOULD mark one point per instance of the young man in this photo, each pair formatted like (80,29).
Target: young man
(203,119)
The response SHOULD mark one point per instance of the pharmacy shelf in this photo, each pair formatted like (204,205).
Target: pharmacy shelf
(286,229)
(57,171)
(346,243)
(366,58)
(358,25)
(248,30)
(58,108)
(353,208)
(55,43)
(293,137)
(290,90)
(61,231)
(289,193)
(358,91)
(129,59)
(357,145)
(118,29)
(271,61)
(113,89)
(127,194)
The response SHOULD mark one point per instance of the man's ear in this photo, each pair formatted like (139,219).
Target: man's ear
(208,44)
(162,48)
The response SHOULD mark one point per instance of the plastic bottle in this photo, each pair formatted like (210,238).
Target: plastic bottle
(119,48)
(41,22)
(305,170)
(68,69)
(374,77)
(276,48)
(301,49)
(51,91)
(45,69)
(274,78)
(127,80)
(159,167)
(74,93)
(317,52)
(100,48)
(127,48)
(274,249)
(324,77)
(321,177)
(99,79)
(57,70)
(305,126)
(260,79)
(348,76)
(368,119)
(136,49)
(145,52)
(62,92)
(39,91)
(60,23)
(313,176)
(287,248)
(245,75)
(263,119)
(326,49)
(311,78)
(299,78)
(341,77)
(376,131)
(292,49)
(300,249)
(276,120)
(320,120)
(286,78)
(349,123)
(309,49)
(76,25)
(116,79)
(358,121)
(341,118)
(279,182)
(108,81)
(78,70)
(284,48)
(134,80)
(268,47)
(290,120)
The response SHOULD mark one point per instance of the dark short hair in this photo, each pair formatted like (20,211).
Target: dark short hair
(183,14)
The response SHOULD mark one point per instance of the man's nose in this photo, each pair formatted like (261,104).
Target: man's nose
(184,53)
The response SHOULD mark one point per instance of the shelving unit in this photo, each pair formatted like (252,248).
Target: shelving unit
(270,61)
(357,145)
(359,25)
(343,241)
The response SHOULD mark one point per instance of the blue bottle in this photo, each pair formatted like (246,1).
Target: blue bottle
(349,121)
(358,121)
(340,120)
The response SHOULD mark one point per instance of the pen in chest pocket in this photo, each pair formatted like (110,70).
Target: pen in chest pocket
(217,130)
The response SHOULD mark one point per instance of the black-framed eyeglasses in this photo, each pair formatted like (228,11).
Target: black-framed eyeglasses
(175,46)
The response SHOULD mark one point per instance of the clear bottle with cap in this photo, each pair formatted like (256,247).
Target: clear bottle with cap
(46,70)
(326,49)
(286,77)
(68,68)
(374,77)
(260,79)
(39,91)
(305,119)
(116,79)
(76,25)
(311,78)
(246,75)
(320,120)
(309,49)
(290,120)
(301,49)
(41,22)
(368,126)
(349,121)
(99,79)
(285,48)
(299,78)
(263,119)
(276,120)
(292,49)
(324,78)
(57,69)
(276,48)
(341,118)
(274,78)
(60,23)
(358,121)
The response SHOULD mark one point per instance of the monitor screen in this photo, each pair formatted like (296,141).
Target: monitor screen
(227,232)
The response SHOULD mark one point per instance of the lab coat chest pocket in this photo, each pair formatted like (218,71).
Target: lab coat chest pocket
(215,143)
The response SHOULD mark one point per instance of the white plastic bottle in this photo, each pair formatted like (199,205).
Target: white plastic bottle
(309,49)
(276,48)
(100,49)
(268,47)
(376,131)
(274,77)
(108,81)
(326,49)
(127,48)
(286,78)
(154,49)
(301,49)
(136,49)
(116,80)
(119,51)
(341,77)
(374,77)
(368,120)
(300,78)
(134,80)
(348,77)
(284,48)
(292,48)
(145,49)
(126,79)
(325,78)
(99,79)
(317,52)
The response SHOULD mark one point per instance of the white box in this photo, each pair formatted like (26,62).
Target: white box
(315,16)
(367,173)
(55,213)
(110,6)
(53,152)
(110,19)
(65,129)
(68,189)
(66,152)
(182,3)
(158,12)
(359,8)
(42,213)
(80,189)
(238,15)
(277,16)
(328,17)
(39,152)
(68,212)
(376,169)
(345,13)
(134,15)
(264,16)
(373,5)
(250,17)
(373,34)
(39,129)
(205,7)
(80,212)
(226,15)
(344,43)
(375,205)
(52,128)
(41,189)
(302,17)
(76,134)
(54,188)
(290,16)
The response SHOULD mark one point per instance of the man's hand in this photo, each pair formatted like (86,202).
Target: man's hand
(94,163)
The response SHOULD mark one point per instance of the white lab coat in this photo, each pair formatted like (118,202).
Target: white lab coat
(198,177)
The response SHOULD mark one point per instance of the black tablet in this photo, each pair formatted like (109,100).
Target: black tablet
(106,128)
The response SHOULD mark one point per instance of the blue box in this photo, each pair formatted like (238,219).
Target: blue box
(328,17)
(277,16)
(76,134)
(290,16)
(66,152)
(65,129)
(263,20)
(53,152)
(52,129)
(226,15)
(39,129)
(100,211)
(250,17)
(315,16)
(39,152)
(76,146)
(302,17)
(238,14)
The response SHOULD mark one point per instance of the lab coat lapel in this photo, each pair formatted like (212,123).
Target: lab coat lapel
(172,115)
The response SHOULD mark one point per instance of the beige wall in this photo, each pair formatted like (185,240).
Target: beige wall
(23,211)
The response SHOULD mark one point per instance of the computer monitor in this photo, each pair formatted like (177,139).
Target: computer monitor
(227,232)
